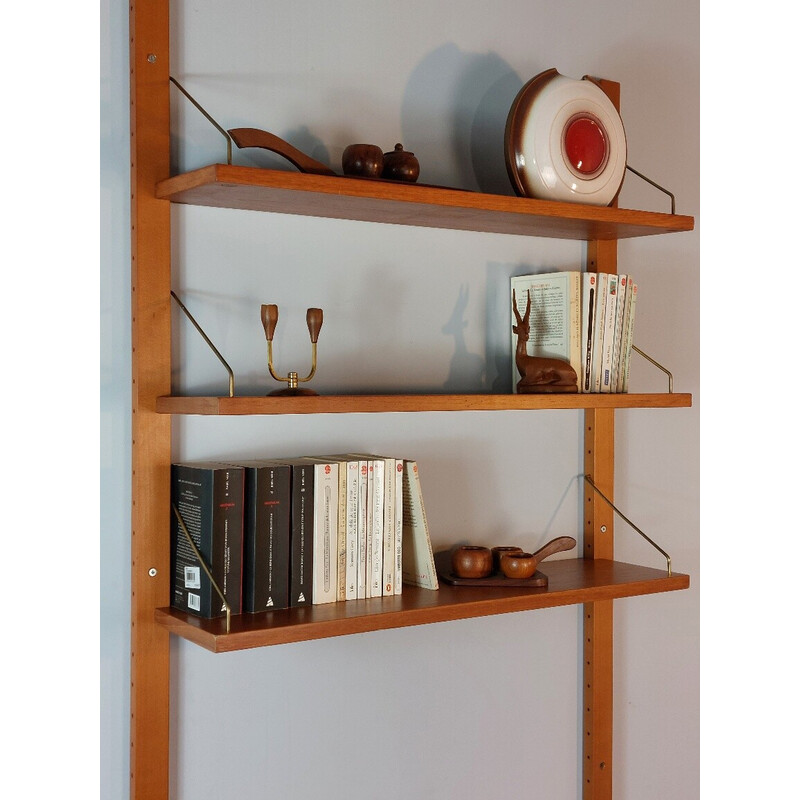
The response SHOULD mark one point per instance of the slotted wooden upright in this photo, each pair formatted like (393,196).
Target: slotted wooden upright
(595,580)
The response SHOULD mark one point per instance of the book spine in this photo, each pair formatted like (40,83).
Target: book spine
(352,505)
(619,329)
(227,539)
(254,568)
(363,525)
(626,314)
(266,538)
(325,532)
(575,322)
(599,327)
(301,560)
(231,530)
(277,483)
(609,322)
(341,535)
(389,516)
(629,337)
(398,526)
(589,301)
(375,542)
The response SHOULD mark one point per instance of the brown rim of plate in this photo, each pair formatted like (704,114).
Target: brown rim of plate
(519,110)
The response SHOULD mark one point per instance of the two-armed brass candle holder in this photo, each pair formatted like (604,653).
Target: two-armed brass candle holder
(269,318)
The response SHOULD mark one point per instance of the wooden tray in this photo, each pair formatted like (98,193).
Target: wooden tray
(445,572)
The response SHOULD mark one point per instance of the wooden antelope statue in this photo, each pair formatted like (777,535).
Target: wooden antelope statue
(539,374)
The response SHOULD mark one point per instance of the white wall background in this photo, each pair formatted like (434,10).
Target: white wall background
(383,714)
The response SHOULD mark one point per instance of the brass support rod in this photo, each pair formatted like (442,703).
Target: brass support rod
(653,183)
(588,479)
(207,341)
(205,568)
(208,117)
(654,362)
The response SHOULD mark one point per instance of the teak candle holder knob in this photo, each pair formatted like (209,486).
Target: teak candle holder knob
(269,319)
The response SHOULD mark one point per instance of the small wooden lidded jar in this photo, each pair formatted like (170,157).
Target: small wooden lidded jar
(400,165)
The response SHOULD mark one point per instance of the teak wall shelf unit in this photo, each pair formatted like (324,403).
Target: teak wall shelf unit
(594,581)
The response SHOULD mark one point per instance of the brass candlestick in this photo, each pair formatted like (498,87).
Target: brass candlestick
(269,319)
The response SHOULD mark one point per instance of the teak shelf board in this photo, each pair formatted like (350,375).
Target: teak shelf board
(255,189)
(571,581)
(386,403)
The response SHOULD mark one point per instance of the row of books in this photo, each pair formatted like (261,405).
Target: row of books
(280,533)
(585,318)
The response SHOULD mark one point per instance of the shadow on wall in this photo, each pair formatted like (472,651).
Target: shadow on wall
(454,115)
(467,370)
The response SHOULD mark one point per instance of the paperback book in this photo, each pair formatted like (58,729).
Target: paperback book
(209,498)
(418,564)
(347,536)
(391,475)
(555,316)
(325,532)
(583,318)
(301,551)
(267,533)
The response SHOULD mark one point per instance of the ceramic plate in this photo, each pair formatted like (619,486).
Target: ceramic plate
(564,140)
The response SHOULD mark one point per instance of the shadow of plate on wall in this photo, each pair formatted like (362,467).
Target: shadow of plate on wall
(453,117)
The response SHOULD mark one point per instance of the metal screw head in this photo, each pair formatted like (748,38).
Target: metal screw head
(151,57)
(152,572)
(603,529)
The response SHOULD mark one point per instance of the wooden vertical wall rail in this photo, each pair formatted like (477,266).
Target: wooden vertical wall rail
(598,542)
(151,432)
(598,617)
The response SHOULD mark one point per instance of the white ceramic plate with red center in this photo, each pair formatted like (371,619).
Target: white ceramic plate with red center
(565,141)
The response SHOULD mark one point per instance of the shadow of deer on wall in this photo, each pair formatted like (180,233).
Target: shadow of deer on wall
(467,370)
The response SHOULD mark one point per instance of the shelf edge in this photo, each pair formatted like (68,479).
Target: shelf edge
(340,197)
(368,616)
(408,403)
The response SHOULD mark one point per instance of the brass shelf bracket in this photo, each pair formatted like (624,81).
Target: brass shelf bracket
(588,479)
(655,363)
(208,342)
(208,116)
(203,564)
(653,183)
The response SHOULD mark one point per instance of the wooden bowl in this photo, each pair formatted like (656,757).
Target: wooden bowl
(499,552)
(364,160)
(472,561)
(518,565)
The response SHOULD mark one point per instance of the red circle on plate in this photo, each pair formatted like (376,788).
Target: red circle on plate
(585,145)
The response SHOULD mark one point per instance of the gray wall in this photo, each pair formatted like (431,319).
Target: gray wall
(384,713)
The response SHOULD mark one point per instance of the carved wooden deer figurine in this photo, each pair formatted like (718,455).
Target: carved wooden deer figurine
(539,374)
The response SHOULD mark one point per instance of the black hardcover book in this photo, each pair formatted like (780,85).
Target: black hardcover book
(210,500)
(267,529)
(301,561)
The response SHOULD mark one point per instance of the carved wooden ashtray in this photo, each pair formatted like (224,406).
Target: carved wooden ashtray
(474,565)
